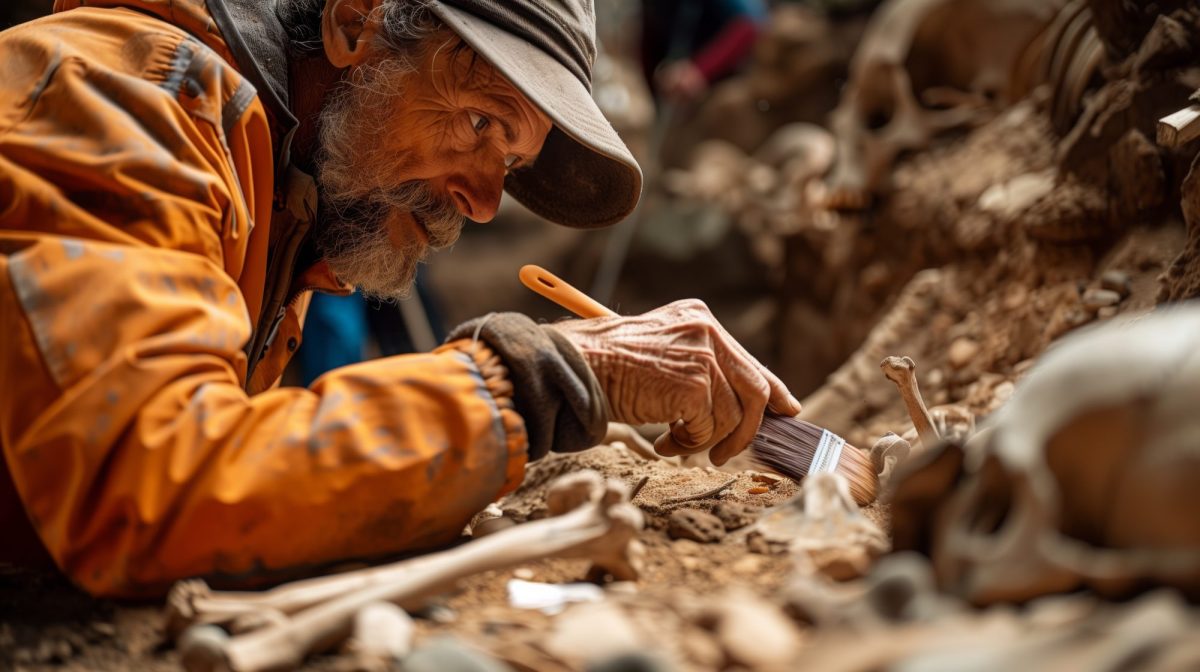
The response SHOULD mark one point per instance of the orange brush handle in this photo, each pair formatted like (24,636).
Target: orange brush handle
(561,292)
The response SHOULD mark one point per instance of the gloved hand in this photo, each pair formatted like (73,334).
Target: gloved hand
(677,364)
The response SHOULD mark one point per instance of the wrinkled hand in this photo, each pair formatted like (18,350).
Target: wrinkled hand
(676,364)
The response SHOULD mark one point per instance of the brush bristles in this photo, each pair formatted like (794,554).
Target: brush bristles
(788,446)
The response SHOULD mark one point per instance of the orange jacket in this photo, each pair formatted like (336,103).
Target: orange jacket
(148,306)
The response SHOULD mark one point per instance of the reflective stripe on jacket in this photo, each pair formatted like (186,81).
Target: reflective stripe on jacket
(140,216)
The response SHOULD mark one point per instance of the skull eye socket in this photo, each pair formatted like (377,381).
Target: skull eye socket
(877,119)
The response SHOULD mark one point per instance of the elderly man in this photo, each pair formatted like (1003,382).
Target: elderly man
(177,177)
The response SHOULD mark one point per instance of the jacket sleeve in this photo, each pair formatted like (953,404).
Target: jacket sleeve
(553,389)
(140,459)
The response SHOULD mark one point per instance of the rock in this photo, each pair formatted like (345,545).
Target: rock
(735,516)
(1106,312)
(383,633)
(491,526)
(754,632)
(695,525)
(767,479)
(684,547)
(523,573)
(1117,281)
(962,352)
(748,564)
(449,655)
(631,662)
(592,632)
(1095,299)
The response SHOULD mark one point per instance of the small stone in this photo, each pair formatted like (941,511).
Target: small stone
(448,655)
(767,479)
(962,352)
(935,378)
(1003,392)
(695,525)
(1117,281)
(1095,299)
(755,632)
(748,564)
(592,632)
(759,490)
(1106,312)
(736,516)
(491,526)
(523,573)
(690,563)
(106,630)
(383,632)
(631,662)
(686,547)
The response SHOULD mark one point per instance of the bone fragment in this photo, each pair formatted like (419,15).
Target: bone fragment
(1179,128)
(902,371)
(592,519)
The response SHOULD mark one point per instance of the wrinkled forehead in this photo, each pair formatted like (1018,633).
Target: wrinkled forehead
(450,61)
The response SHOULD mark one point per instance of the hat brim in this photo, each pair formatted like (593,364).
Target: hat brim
(585,176)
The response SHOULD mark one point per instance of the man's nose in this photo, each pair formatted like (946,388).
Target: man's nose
(477,194)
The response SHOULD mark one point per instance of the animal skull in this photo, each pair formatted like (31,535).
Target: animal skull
(925,67)
(1085,478)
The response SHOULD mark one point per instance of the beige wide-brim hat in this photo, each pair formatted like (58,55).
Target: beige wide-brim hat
(585,176)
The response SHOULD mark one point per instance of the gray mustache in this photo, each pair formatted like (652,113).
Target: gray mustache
(441,219)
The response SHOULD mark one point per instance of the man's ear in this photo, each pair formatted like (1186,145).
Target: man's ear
(347,27)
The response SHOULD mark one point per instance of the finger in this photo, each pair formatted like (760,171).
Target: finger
(753,391)
(780,401)
(723,415)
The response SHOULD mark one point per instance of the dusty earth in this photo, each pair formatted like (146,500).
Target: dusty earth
(46,624)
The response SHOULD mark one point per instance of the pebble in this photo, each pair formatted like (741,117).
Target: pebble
(755,633)
(491,526)
(632,662)
(686,547)
(1003,392)
(1106,312)
(523,573)
(1095,299)
(1117,281)
(759,490)
(383,632)
(696,525)
(448,655)
(736,516)
(767,479)
(591,633)
(748,564)
(962,352)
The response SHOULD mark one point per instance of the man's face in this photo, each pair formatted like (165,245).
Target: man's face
(410,147)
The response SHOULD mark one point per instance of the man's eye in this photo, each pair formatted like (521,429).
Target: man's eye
(478,121)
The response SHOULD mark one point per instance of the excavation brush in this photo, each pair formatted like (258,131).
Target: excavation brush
(789,446)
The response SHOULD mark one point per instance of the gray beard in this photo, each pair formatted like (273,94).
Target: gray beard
(356,197)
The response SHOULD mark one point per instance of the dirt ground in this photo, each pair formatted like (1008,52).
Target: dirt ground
(46,624)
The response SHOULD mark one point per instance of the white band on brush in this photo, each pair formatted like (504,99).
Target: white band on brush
(829,453)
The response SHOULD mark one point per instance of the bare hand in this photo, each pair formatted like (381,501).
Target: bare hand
(677,364)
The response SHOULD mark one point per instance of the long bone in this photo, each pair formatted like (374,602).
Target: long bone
(596,522)
(902,371)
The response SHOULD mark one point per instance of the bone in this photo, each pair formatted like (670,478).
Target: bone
(823,528)
(902,371)
(593,520)
(888,453)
